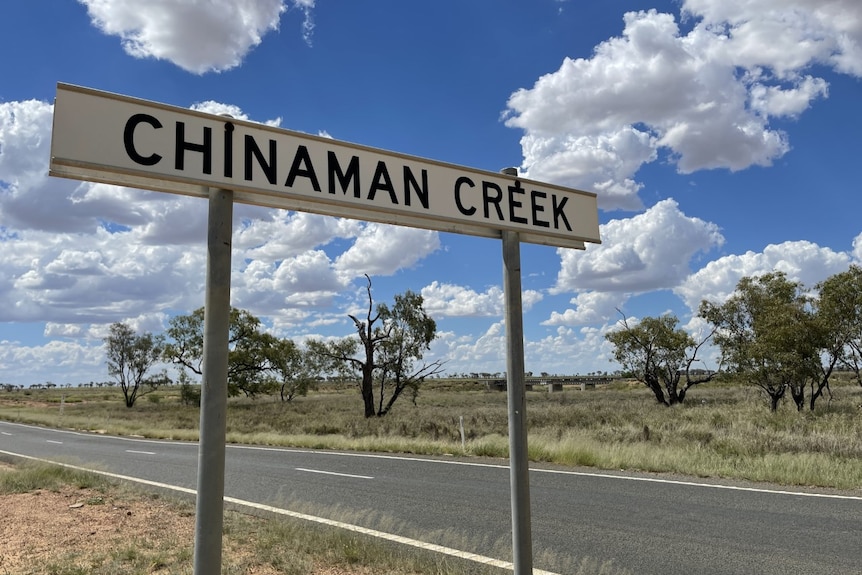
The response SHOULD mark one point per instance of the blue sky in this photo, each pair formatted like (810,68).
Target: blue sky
(721,137)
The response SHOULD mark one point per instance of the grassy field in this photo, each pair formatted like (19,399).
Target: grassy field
(722,431)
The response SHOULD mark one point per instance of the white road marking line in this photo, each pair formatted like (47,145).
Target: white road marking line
(141,452)
(93,434)
(476,558)
(558,472)
(5,433)
(477,464)
(707,485)
(390,537)
(52,441)
(333,473)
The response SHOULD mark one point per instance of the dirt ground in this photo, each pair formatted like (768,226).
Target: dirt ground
(41,527)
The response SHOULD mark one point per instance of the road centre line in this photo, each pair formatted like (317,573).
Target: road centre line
(709,485)
(141,452)
(472,464)
(334,473)
(476,558)
(563,472)
(52,441)
(5,433)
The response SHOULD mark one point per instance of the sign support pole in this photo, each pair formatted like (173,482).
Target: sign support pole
(209,515)
(519,472)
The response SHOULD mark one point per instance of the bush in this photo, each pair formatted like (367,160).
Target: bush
(190,394)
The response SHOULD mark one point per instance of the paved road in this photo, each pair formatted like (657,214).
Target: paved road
(646,524)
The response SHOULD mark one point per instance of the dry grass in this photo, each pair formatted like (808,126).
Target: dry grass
(52,525)
(56,521)
(722,430)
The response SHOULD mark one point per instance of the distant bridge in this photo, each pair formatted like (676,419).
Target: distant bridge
(552,382)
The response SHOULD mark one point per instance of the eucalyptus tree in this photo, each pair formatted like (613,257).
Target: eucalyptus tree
(253,354)
(411,331)
(130,357)
(386,353)
(295,369)
(839,310)
(769,336)
(659,354)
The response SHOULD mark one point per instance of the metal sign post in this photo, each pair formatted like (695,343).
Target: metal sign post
(209,516)
(519,472)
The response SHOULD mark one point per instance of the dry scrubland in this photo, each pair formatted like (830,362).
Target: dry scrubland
(55,521)
(723,430)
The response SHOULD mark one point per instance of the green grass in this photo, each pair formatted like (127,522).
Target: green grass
(30,477)
(723,430)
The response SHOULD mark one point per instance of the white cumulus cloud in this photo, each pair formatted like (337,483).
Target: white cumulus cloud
(448,300)
(802,261)
(650,251)
(590,308)
(382,249)
(702,99)
(199,37)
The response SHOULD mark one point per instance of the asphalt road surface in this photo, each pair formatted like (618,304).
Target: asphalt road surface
(650,525)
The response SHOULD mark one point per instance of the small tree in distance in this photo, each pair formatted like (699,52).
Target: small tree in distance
(839,310)
(658,354)
(411,331)
(130,357)
(390,342)
(295,369)
(252,352)
(769,336)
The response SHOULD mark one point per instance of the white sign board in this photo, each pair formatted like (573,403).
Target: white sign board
(103,137)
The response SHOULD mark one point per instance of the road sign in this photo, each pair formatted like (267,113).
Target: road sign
(114,139)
